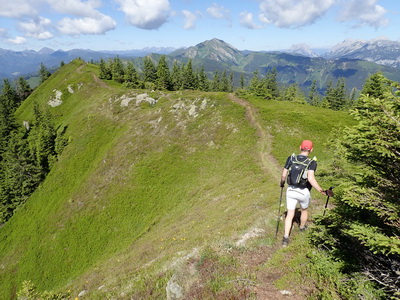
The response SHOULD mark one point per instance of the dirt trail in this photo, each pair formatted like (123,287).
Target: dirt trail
(265,289)
(269,164)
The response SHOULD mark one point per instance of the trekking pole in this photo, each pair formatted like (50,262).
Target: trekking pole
(279,213)
(327,199)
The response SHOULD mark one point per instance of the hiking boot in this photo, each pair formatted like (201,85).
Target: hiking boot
(285,241)
(302,229)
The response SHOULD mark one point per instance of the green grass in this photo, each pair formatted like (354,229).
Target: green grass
(140,186)
(125,177)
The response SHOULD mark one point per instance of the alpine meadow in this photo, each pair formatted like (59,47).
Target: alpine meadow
(131,187)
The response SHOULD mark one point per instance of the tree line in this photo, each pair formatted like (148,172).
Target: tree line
(159,76)
(27,152)
(184,77)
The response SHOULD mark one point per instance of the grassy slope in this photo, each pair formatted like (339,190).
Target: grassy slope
(139,184)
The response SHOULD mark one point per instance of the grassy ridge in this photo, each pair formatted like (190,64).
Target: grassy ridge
(126,170)
(138,184)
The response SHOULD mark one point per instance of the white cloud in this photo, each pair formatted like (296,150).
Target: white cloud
(19,40)
(146,14)
(190,18)
(17,8)
(37,28)
(218,11)
(76,7)
(87,25)
(246,20)
(364,12)
(289,13)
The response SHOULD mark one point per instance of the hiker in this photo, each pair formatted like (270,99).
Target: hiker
(299,171)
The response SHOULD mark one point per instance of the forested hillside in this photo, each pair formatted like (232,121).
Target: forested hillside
(152,193)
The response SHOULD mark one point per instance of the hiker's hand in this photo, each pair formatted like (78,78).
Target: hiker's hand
(282,184)
(328,193)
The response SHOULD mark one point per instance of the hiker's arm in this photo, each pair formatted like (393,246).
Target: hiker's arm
(283,177)
(313,181)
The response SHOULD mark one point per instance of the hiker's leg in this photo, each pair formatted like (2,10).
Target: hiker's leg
(303,217)
(288,221)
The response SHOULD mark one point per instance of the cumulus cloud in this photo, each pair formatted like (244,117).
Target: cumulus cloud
(37,28)
(292,14)
(246,20)
(19,40)
(190,19)
(146,14)
(87,25)
(76,7)
(218,11)
(17,8)
(364,12)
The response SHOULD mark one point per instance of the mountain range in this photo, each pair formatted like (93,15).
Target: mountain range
(352,59)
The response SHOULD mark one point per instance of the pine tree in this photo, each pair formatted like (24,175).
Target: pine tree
(203,80)
(189,79)
(271,85)
(313,97)
(150,71)
(216,82)
(23,89)
(9,97)
(293,93)
(44,73)
(41,140)
(163,75)
(105,71)
(242,81)
(375,86)
(131,76)
(365,219)
(19,174)
(117,70)
(256,85)
(224,84)
(176,77)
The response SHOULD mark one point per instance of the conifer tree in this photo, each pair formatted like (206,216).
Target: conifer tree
(216,82)
(163,75)
(365,220)
(242,81)
(41,140)
(224,84)
(19,174)
(117,70)
(256,86)
(44,73)
(203,80)
(293,93)
(176,77)
(9,97)
(375,86)
(271,85)
(150,71)
(23,89)
(313,98)
(105,71)
(131,76)
(189,79)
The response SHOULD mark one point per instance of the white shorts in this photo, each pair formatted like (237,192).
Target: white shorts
(294,195)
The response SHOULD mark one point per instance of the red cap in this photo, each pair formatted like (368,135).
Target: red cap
(306,145)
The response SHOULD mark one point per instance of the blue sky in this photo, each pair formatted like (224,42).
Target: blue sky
(245,24)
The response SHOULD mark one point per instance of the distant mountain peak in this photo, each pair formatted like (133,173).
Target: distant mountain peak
(303,49)
(380,50)
(46,50)
(214,49)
